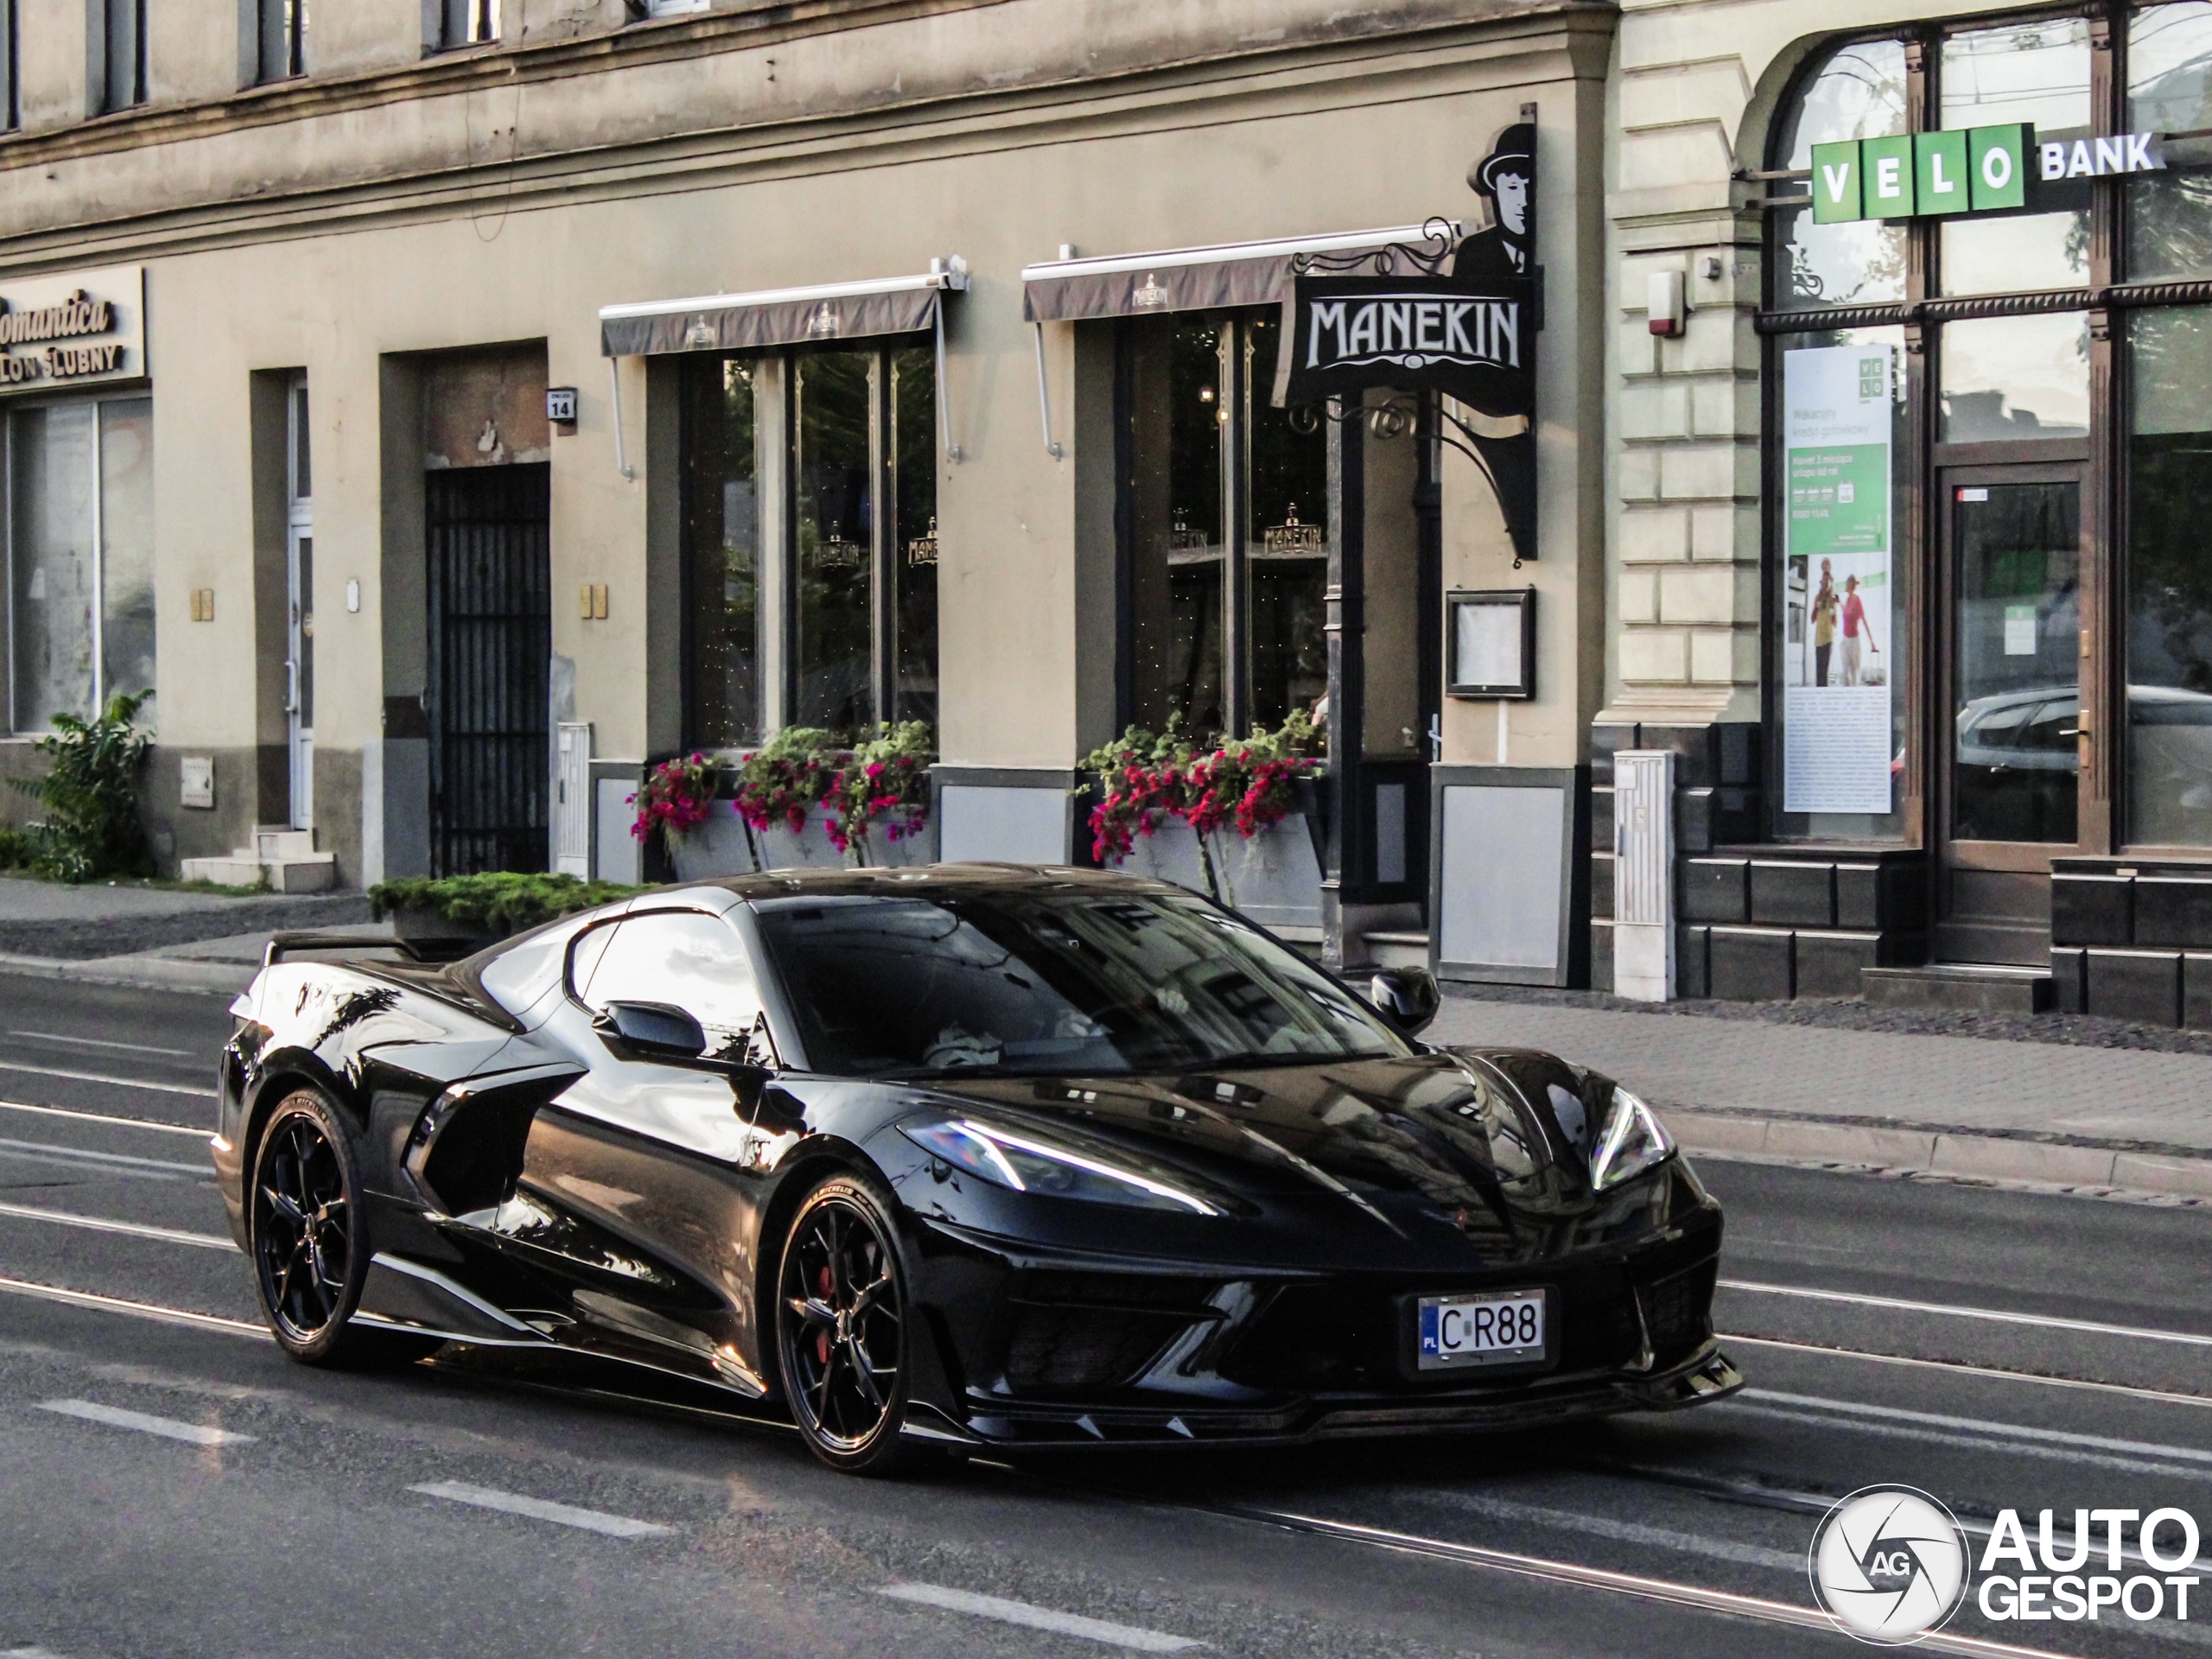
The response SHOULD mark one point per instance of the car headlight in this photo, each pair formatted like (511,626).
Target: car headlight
(1631,1140)
(1029,1164)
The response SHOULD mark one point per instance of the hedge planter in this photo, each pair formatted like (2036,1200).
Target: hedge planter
(1275,877)
(719,847)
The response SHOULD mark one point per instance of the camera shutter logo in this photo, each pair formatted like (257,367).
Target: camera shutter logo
(1889,1564)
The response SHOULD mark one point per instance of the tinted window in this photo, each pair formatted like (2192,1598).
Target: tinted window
(685,957)
(1065,983)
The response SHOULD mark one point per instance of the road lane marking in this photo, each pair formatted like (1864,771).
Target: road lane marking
(197,1131)
(1980,1426)
(95,1042)
(1970,1442)
(135,1310)
(2164,1397)
(1626,1532)
(1995,1315)
(151,1168)
(167,1427)
(1597,1578)
(203,1089)
(538,1509)
(133,1229)
(1040,1618)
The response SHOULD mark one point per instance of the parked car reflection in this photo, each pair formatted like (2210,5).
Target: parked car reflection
(2169,766)
(2012,765)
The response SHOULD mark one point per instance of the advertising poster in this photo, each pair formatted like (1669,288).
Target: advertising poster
(1839,655)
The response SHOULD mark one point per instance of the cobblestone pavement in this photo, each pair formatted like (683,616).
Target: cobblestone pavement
(1770,1067)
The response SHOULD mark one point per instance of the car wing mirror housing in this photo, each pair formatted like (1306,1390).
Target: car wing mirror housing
(660,1030)
(1406,997)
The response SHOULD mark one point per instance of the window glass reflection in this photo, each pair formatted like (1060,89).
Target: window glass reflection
(2170,90)
(2169,757)
(2006,379)
(1286,542)
(914,558)
(835,504)
(2034,72)
(1859,94)
(721,553)
(1179,428)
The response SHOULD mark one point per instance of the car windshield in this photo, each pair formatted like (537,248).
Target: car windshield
(1064,984)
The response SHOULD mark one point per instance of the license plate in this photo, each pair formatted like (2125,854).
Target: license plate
(1489,1328)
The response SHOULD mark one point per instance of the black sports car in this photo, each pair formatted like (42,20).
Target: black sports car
(958,1157)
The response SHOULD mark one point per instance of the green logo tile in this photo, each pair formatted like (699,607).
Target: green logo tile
(1939,172)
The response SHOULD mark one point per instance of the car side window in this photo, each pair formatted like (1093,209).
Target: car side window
(685,958)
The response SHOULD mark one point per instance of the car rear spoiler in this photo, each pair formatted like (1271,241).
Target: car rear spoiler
(427,952)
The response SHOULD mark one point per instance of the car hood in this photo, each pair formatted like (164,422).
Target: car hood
(1494,1142)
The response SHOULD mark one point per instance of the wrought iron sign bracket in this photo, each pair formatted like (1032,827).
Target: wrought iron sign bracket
(1386,422)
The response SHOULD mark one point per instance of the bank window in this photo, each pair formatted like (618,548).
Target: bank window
(1228,512)
(2035,72)
(1859,94)
(856,463)
(80,557)
(2006,379)
(2170,90)
(10,42)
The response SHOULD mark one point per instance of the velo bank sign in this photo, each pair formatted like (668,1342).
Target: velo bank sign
(1973,170)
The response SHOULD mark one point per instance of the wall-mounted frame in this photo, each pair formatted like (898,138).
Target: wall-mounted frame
(1490,644)
(1509,875)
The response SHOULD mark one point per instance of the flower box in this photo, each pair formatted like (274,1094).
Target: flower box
(719,847)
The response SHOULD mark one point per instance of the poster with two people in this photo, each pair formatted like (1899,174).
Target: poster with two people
(1839,657)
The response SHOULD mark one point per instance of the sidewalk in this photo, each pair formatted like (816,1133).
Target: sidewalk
(2086,1118)
(167,939)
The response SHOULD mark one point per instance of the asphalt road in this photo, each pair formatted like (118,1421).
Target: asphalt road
(169,1485)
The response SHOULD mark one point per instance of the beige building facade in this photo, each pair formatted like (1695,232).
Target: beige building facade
(806,459)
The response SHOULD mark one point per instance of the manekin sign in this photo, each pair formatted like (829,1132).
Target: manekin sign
(1468,332)
(77,329)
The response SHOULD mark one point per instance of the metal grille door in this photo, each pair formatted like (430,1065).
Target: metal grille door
(491,634)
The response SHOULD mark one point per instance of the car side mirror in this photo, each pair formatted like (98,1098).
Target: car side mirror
(656,1029)
(1406,997)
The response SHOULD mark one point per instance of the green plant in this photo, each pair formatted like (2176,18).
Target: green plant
(787,776)
(90,792)
(500,903)
(18,850)
(674,798)
(887,777)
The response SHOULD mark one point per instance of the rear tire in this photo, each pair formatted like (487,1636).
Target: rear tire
(842,1321)
(307,1238)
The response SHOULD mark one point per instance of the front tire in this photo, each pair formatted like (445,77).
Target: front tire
(306,1230)
(843,1328)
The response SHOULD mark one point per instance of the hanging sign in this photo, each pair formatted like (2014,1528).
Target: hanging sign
(1470,339)
(1839,654)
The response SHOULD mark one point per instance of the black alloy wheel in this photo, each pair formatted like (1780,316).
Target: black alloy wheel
(309,1256)
(842,1319)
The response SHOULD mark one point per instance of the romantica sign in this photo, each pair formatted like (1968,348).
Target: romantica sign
(86,326)
(1970,170)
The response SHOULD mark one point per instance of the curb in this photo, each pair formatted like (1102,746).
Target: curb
(2130,1166)
(148,973)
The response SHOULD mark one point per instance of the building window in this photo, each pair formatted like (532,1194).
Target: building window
(8,43)
(1228,510)
(721,553)
(283,38)
(122,46)
(858,471)
(468,22)
(80,556)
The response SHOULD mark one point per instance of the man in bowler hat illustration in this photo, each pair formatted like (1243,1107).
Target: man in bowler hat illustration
(1507,179)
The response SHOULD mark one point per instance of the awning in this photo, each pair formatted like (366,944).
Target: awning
(780,316)
(1186,279)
